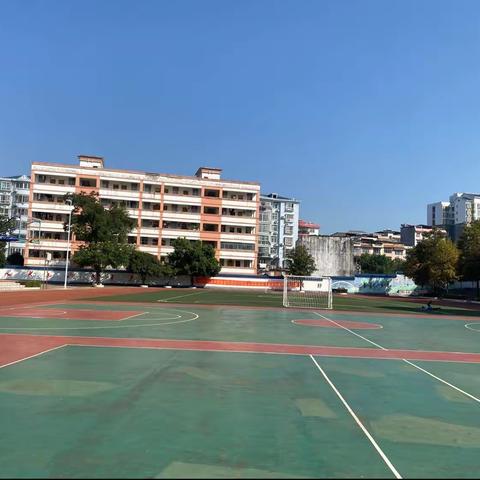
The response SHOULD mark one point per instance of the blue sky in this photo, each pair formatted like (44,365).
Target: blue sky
(363,110)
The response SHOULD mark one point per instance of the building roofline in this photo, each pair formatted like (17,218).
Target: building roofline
(141,172)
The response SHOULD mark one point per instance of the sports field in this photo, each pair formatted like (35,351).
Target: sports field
(127,383)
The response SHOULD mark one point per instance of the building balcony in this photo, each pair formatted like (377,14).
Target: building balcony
(152,249)
(238,254)
(50,206)
(181,216)
(235,220)
(231,203)
(175,233)
(119,194)
(238,237)
(182,199)
(149,231)
(51,189)
(151,214)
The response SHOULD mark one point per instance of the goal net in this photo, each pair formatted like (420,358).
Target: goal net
(307,292)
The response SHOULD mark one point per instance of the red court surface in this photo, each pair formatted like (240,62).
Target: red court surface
(20,346)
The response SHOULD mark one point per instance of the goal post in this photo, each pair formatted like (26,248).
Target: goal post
(307,292)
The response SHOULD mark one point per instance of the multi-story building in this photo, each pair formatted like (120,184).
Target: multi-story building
(460,210)
(14,194)
(203,207)
(306,228)
(278,230)
(412,234)
(384,242)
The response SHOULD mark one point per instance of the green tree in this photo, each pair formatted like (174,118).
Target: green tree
(193,258)
(104,231)
(469,261)
(379,264)
(6,227)
(145,265)
(432,262)
(15,258)
(300,262)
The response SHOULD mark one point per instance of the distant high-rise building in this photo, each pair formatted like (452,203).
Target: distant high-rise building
(460,210)
(278,231)
(14,193)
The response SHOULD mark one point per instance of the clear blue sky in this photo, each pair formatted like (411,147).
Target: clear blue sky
(363,110)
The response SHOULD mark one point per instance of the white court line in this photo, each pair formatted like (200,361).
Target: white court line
(469,395)
(443,381)
(32,356)
(133,316)
(180,296)
(359,423)
(195,316)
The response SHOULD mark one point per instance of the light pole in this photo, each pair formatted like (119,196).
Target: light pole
(68,201)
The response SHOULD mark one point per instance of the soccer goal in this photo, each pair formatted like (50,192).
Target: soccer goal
(307,292)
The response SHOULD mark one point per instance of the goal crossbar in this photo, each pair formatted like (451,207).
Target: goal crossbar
(307,292)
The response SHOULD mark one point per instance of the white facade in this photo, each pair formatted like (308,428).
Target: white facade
(438,213)
(460,210)
(223,213)
(14,195)
(278,230)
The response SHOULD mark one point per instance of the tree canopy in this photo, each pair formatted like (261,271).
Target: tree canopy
(145,265)
(469,261)
(379,264)
(300,262)
(193,258)
(104,232)
(432,262)
(15,258)
(6,227)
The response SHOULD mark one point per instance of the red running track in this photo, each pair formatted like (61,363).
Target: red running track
(14,347)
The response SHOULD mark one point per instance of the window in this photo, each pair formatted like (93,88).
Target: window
(237,246)
(105,184)
(88,182)
(212,193)
(210,227)
(71,181)
(123,187)
(211,210)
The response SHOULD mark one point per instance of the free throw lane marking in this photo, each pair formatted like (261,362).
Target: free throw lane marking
(359,423)
(32,356)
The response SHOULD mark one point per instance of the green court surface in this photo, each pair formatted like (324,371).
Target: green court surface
(110,389)
(261,298)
